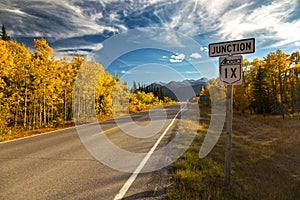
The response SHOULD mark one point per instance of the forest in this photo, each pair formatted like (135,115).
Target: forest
(270,85)
(36,88)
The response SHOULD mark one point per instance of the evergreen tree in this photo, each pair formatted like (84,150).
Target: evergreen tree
(4,35)
(260,92)
(161,94)
(134,89)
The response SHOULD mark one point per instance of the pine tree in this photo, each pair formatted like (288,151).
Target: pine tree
(134,88)
(4,35)
(260,92)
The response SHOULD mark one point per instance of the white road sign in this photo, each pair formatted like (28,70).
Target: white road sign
(230,73)
(232,47)
(230,69)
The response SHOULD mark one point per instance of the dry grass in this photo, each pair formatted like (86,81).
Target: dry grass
(265,161)
(16,135)
(11,135)
(266,156)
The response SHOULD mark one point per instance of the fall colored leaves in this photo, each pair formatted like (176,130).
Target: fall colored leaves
(36,88)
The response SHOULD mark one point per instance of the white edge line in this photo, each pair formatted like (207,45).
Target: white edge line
(45,133)
(132,178)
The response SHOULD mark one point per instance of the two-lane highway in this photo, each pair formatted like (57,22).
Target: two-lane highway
(57,165)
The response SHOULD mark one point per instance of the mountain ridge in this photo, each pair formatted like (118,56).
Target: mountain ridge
(180,90)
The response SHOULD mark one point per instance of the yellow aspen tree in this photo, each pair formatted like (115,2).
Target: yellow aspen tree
(6,62)
(19,83)
(42,64)
(278,63)
(120,98)
(104,93)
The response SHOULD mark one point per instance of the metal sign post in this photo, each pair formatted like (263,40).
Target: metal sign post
(230,73)
(230,68)
(229,114)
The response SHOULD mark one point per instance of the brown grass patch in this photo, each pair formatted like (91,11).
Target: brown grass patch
(265,162)
(11,135)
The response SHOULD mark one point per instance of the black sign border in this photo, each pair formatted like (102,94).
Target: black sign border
(229,43)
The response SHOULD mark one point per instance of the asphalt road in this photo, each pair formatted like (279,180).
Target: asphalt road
(57,165)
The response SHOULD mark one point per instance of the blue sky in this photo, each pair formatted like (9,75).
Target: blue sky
(154,40)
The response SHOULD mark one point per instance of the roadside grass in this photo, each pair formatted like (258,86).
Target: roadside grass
(265,161)
(11,135)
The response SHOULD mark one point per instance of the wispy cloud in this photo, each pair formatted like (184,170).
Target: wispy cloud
(91,46)
(270,20)
(236,19)
(223,19)
(190,72)
(58,19)
(14,11)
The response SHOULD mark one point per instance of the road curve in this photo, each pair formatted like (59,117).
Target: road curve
(57,165)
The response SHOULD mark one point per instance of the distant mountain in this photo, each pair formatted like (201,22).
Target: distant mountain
(180,90)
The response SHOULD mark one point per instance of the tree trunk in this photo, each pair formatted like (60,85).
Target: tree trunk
(34,116)
(44,106)
(65,106)
(281,95)
(25,109)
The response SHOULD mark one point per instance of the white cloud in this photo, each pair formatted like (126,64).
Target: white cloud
(113,16)
(204,49)
(177,58)
(195,55)
(70,53)
(297,44)
(215,8)
(125,72)
(191,72)
(236,19)
(224,19)
(164,57)
(199,16)
(270,20)
(56,19)
(15,11)
(97,46)
(175,61)
(92,46)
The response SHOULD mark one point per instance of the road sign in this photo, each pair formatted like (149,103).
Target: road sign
(230,73)
(230,69)
(232,47)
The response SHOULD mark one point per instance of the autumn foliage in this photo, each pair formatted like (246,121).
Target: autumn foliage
(270,85)
(36,89)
